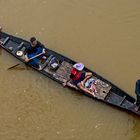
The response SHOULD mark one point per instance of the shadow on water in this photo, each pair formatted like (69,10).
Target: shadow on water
(20,68)
(136,127)
(0,51)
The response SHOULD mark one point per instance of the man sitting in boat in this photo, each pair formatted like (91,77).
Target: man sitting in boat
(79,79)
(35,48)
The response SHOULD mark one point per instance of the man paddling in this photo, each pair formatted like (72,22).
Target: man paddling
(35,48)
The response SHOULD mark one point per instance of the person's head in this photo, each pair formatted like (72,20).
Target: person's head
(33,41)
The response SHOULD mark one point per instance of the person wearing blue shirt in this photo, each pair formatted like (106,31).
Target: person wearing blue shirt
(35,48)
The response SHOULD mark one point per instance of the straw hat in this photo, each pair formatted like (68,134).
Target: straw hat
(79,66)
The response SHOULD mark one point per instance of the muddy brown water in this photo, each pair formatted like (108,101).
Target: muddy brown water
(104,35)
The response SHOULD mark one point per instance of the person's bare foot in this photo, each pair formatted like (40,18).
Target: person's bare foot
(136,108)
(40,67)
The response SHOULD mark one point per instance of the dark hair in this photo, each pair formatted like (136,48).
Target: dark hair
(32,39)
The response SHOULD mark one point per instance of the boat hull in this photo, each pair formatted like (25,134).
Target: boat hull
(107,91)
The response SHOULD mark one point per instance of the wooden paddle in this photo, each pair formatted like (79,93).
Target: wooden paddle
(25,61)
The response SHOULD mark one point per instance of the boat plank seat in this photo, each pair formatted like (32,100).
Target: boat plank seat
(5,40)
(114,98)
(127,104)
(18,47)
(123,99)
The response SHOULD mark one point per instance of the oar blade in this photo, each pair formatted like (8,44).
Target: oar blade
(13,66)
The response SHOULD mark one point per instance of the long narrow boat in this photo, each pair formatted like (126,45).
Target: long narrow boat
(107,92)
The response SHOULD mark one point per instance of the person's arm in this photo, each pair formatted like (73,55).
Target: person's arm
(71,85)
(26,58)
(86,78)
(43,50)
(84,89)
(68,83)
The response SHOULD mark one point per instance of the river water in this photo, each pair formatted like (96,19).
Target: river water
(104,35)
